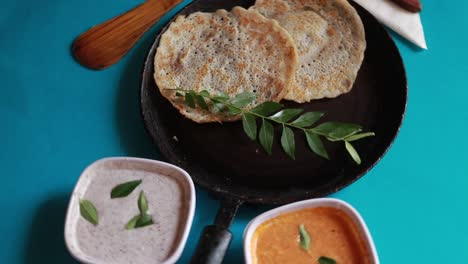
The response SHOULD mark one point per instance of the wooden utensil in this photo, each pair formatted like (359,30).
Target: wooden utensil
(413,6)
(105,44)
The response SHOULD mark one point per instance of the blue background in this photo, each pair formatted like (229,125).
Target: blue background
(57,117)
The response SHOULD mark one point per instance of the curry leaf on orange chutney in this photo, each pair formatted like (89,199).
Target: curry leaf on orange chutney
(326,260)
(304,238)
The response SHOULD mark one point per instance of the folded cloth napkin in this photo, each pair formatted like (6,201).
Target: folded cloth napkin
(405,23)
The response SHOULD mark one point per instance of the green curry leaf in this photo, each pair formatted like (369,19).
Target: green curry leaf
(124,189)
(250,125)
(304,238)
(88,211)
(266,136)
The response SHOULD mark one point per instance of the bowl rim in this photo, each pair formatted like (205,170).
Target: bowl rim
(311,203)
(177,252)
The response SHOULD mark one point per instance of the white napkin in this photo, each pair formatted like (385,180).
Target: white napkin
(403,22)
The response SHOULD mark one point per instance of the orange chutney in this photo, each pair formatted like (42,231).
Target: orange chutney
(332,234)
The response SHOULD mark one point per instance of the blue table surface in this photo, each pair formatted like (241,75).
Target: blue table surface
(57,117)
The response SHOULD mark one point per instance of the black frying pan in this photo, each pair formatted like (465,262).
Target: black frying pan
(224,161)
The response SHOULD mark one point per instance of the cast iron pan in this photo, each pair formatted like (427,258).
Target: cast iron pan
(223,160)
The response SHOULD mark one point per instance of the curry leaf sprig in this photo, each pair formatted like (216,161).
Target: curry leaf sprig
(288,119)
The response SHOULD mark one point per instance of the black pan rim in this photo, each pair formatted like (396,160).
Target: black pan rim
(321,192)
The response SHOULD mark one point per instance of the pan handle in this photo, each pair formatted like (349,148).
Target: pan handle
(215,239)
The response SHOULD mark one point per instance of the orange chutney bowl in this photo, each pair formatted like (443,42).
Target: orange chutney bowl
(322,231)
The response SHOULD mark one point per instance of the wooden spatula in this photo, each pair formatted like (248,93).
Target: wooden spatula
(105,44)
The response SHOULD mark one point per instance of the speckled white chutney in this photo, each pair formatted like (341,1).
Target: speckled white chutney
(109,242)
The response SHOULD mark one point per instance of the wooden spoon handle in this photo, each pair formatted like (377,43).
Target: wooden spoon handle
(105,44)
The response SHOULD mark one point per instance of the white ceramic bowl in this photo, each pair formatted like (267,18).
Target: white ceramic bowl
(321,202)
(129,165)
